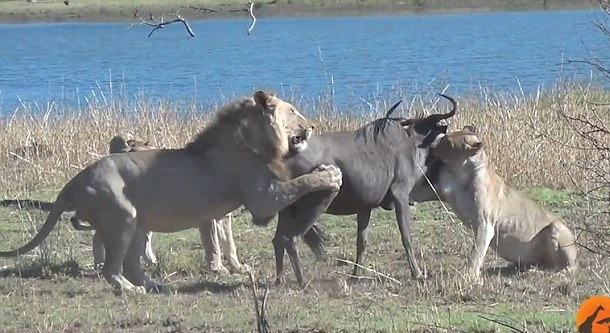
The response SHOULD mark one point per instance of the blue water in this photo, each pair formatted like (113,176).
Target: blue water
(355,59)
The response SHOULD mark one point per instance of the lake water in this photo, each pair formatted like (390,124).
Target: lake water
(358,59)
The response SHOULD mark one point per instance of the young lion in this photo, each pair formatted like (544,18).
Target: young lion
(517,228)
(215,236)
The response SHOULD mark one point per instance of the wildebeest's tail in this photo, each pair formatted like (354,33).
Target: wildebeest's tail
(27,203)
(314,238)
(58,208)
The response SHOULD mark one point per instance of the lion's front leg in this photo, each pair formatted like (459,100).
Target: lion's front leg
(265,204)
(483,233)
(208,232)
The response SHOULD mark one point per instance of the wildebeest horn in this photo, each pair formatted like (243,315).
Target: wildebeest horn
(432,118)
(391,110)
(438,117)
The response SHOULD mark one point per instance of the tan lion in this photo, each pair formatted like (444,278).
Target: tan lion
(517,228)
(238,159)
(217,238)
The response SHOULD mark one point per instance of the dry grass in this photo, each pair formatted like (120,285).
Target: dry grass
(528,142)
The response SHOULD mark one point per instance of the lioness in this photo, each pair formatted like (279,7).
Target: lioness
(517,228)
(238,159)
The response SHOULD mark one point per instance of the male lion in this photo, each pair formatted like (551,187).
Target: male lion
(517,228)
(238,159)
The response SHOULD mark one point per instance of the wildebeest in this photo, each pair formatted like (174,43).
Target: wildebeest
(380,162)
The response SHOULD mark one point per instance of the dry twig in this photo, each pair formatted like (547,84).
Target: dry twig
(261,321)
(504,324)
(367,269)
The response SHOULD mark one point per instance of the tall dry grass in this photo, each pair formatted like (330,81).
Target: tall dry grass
(524,136)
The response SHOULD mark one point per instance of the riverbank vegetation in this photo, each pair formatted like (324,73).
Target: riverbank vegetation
(16,11)
(526,137)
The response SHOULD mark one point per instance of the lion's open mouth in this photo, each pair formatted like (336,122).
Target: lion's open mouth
(298,142)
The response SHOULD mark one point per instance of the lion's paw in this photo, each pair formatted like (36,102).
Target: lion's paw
(218,269)
(239,268)
(330,176)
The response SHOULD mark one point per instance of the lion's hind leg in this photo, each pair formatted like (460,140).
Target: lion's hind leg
(116,227)
(132,268)
(558,247)
(227,244)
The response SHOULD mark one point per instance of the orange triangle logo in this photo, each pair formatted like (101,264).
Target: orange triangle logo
(594,315)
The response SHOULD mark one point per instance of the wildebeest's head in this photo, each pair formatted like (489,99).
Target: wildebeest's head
(431,128)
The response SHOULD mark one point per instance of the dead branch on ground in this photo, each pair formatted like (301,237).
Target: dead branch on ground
(152,22)
(261,321)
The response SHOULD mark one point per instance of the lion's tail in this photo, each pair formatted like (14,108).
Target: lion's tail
(56,210)
(27,203)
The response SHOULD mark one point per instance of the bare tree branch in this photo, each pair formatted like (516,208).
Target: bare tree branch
(162,23)
(251,13)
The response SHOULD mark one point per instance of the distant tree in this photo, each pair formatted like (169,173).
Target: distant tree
(590,126)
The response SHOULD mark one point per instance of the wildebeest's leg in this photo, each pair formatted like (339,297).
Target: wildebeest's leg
(315,241)
(227,244)
(294,222)
(401,201)
(279,247)
(208,232)
(97,247)
(362,239)
(295,259)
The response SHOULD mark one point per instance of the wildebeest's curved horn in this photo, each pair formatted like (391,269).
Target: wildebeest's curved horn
(391,110)
(439,117)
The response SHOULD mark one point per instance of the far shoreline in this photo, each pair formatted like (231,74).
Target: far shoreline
(57,12)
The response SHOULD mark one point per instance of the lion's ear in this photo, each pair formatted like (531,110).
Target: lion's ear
(264,99)
(470,128)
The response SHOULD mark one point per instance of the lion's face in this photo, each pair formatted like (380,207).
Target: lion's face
(119,144)
(459,145)
(293,128)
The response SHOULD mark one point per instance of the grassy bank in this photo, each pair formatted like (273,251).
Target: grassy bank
(14,11)
(527,141)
